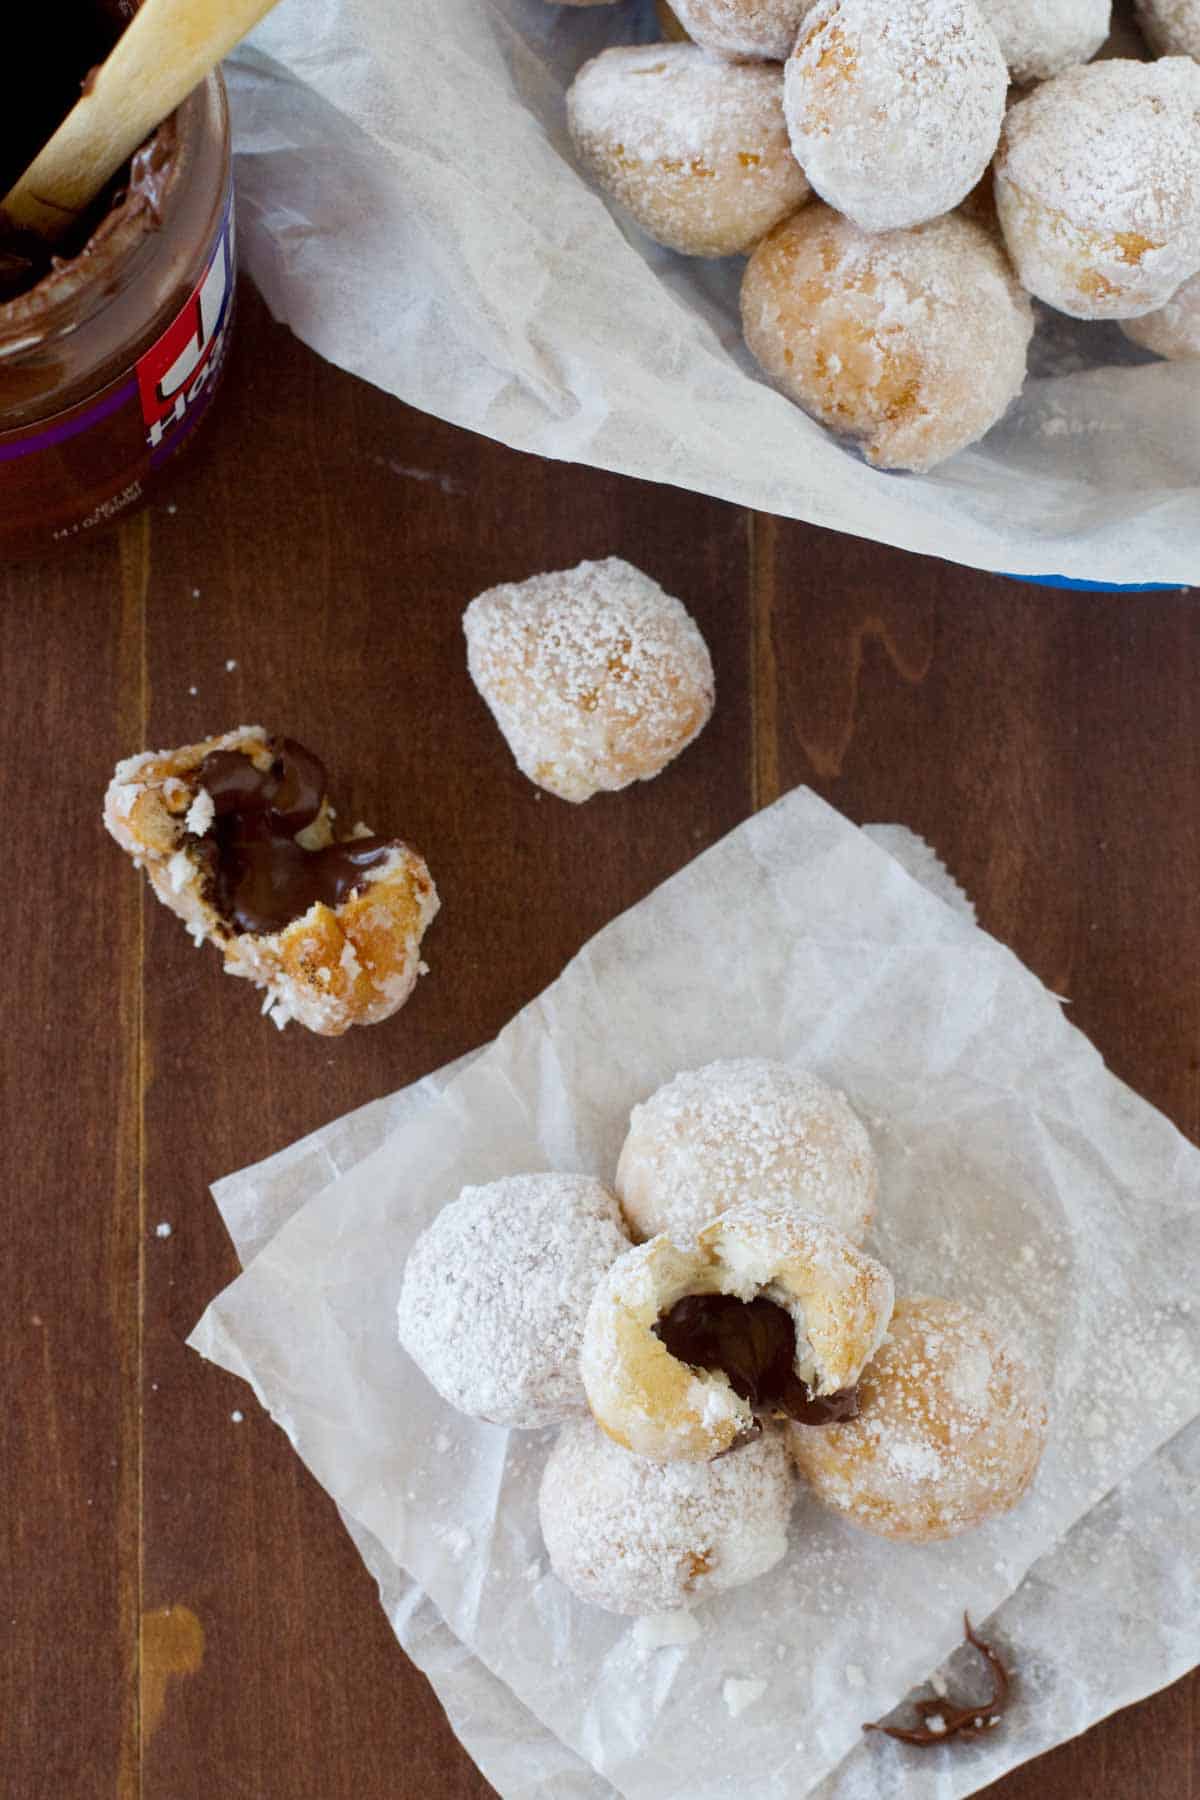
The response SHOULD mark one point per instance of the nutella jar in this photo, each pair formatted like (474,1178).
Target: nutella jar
(109,360)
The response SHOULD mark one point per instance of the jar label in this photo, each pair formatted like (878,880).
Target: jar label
(63,476)
(176,375)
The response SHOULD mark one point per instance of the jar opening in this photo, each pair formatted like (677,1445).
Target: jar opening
(37,286)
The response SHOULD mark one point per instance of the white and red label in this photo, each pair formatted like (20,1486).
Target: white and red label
(174,373)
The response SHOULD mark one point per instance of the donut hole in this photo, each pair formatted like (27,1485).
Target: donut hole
(756,1346)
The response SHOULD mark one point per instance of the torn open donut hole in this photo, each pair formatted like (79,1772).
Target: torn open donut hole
(259,874)
(769,1314)
(753,1343)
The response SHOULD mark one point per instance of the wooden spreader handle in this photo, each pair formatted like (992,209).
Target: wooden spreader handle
(165,51)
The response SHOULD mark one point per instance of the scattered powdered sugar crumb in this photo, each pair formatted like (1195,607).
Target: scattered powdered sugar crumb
(442,1443)
(162,1229)
(534,1571)
(193,691)
(738,1694)
(665,1631)
(179,871)
(937,1724)
(237,1417)
(456,1539)
(939,1684)
(200,814)
(230,665)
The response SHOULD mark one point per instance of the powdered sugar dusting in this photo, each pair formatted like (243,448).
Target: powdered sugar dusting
(951,1429)
(894,111)
(639,1537)
(1171,27)
(595,676)
(740,1130)
(1174,330)
(912,342)
(1098,186)
(1038,41)
(695,148)
(496,1291)
(764,28)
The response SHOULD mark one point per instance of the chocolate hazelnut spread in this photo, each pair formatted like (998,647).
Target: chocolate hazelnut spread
(754,1343)
(54,67)
(943,1718)
(109,360)
(260,877)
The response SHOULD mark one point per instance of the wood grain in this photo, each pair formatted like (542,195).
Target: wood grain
(188,1617)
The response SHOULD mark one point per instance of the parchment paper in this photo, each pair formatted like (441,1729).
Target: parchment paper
(1019,1174)
(408,203)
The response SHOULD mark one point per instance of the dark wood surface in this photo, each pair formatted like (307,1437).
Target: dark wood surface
(184,1618)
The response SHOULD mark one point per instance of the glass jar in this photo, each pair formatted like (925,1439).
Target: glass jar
(109,364)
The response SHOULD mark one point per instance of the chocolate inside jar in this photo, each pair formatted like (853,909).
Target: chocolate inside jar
(53,49)
(754,1343)
(259,878)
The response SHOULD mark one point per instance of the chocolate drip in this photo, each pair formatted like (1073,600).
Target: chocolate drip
(260,878)
(954,1721)
(754,1343)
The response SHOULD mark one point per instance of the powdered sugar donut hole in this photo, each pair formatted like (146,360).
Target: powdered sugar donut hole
(639,1538)
(749,28)
(1098,187)
(911,343)
(695,149)
(497,1289)
(894,110)
(950,1432)
(1174,330)
(1040,41)
(1171,27)
(595,676)
(747,1129)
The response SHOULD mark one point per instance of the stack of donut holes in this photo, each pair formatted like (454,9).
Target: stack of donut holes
(711,1336)
(903,175)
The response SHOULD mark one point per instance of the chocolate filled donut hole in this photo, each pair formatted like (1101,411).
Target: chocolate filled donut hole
(268,854)
(688,1353)
(639,1537)
(753,1344)
(237,837)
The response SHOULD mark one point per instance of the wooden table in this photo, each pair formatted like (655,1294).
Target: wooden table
(309,573)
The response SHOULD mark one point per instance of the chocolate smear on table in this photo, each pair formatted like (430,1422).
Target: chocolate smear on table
(259,878)
(754,1343)
(943,1719)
